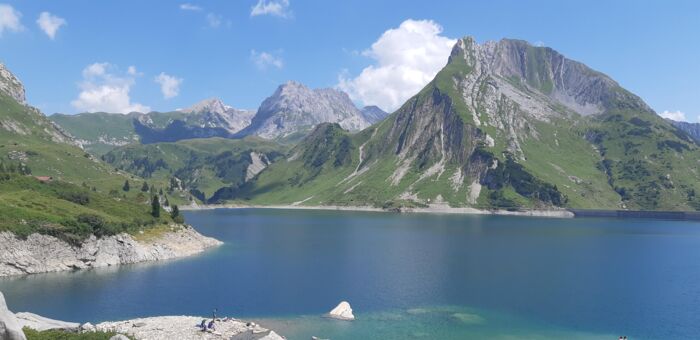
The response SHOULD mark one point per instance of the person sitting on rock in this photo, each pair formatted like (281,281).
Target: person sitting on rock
(203,325)
(211,325)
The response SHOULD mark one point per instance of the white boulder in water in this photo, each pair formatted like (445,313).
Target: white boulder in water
(9,327)
(342,311)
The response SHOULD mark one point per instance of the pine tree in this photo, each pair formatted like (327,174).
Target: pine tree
(144,187)
(155,207)
(126,186)
(175,215)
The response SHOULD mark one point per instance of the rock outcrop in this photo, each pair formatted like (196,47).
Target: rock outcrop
(10,85)
(185,327)
(342,311)
(373,114)
(10,329)
(296,108)
(42,253)
(41,323)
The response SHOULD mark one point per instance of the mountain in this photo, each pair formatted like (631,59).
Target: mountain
(373,114)
(294,109)
(503,125)
(101,132)
(51,186)
(198,166)
(692,129)
(11,86)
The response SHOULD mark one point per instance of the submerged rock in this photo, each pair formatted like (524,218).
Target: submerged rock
(10,328)
(342,311)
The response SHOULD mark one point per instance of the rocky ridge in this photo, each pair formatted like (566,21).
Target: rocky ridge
(42,253)
(296,108)
(10,85)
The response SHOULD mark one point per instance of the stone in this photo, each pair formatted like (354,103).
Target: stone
(342,311)
(40,323)
(87,327)
(10,328)
(43,253)
(119,337)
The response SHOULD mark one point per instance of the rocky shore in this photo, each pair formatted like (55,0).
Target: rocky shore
(153,328)
(42,253)
(430,209)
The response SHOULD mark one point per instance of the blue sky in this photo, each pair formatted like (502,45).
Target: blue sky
(228,50)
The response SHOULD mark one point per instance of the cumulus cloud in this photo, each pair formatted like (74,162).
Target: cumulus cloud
(278,8)
(405,60)
(673,115)
(169,85)
(9,19)
(50,23)
(265,60)
(104,89)
(190,7)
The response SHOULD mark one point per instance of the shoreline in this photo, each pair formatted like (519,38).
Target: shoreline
(40,253)
(432,209)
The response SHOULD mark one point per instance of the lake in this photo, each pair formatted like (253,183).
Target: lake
(407,276)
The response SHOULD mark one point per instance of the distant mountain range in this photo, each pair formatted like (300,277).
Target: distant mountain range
(692,129)
(291,112)
(504,125)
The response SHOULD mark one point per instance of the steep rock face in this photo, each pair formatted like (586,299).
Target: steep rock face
(42,253)
(373,114)
(213,113)
(10,85)
(296,108)
(503,125)
(692,129)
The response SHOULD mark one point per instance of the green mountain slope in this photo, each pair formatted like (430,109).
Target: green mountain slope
(503,125)
(83,195)
(197,166)
(100,132)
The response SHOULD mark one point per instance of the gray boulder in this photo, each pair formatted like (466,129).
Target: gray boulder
(10,329)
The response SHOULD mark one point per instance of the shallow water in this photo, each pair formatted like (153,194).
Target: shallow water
(406,276)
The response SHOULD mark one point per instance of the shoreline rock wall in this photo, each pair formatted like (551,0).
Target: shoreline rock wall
(42,253)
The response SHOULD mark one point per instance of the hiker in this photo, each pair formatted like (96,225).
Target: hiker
(211,325)
(203,325)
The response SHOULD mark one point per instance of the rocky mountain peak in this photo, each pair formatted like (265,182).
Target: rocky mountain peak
(294,107)
(10,85)
(212,105)
(546,72)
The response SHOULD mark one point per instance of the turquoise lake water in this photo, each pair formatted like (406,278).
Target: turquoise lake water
(407,276)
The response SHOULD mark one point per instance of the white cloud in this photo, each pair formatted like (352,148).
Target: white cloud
(50,23)
(263,60)
(169,85)
(673,115)
(104,89)
(214,20)
(278,8)
(9,19)
(190,7)
(406,59)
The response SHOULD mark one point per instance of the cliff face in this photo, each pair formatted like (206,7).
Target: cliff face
(42,253)
(296,108)
(10,85)
(503,125)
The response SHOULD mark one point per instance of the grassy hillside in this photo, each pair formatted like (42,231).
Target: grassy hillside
(85,195)
(487,140)
(198,166)
(99,132)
